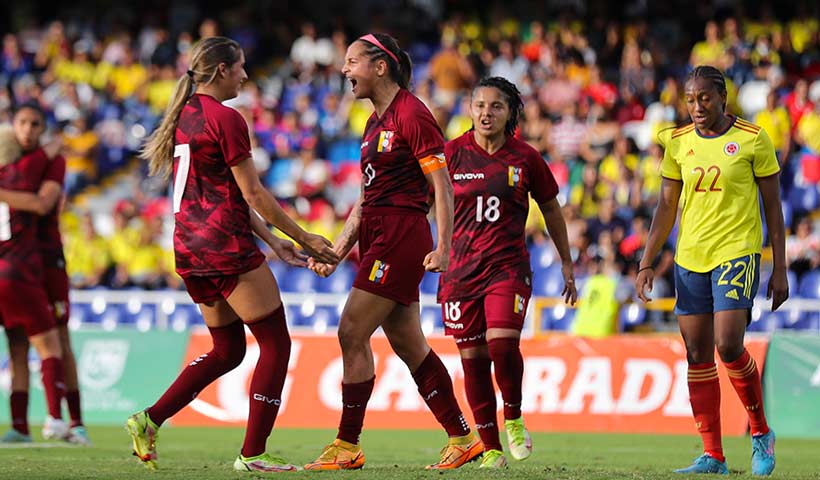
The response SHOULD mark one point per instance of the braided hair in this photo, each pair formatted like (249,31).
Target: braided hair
(400,71)
(511,95)
(712,74)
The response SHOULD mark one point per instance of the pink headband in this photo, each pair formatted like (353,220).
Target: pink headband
(375,41)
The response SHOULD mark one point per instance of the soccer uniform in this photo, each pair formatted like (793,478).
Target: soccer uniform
(23,300)
(51,247)
(718,250)
(398,149)
(213,239)
(489,281)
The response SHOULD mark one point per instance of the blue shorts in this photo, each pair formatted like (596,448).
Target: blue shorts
(730,286)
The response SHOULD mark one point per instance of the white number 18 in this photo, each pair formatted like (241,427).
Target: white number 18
(490,212)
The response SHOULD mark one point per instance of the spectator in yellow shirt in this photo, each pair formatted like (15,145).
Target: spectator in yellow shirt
(80,151)
(708,51)
(775,121)
(128,76)
(86,255)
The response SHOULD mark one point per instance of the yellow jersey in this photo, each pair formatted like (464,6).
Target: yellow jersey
(721,212)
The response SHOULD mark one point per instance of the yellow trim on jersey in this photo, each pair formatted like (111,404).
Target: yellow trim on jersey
(721,213)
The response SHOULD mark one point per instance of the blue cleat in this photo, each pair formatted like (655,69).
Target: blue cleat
(763,454)
(13,436)
(705,464)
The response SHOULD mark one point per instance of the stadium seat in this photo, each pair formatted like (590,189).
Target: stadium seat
(429,283)
(81,314)
(810,285)
(298,280)
(325,315)
(630,316)
(804,199)
(764,320)
(432,315)
(807,321)
(340,282)
(560,318)
(541,257)
(548,282)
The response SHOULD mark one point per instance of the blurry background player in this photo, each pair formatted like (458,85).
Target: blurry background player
(484,293)
(24,303)
(45,203)
(402,156)
(215,189)
(719,162)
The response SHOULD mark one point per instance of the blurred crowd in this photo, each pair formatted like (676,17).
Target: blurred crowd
(597,92)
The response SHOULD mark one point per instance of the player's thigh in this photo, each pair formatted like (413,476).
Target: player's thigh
(505,310)
(18,346)
(363,313)
(256,294)
(698,334)
(730,328)
(403,330)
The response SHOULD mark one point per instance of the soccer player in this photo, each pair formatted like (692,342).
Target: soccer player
(719,162)
(216,189)
(484,293)
(45,204)
(402,156)
(24,303)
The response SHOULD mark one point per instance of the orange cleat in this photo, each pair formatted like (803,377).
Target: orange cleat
(339,455)
(458,451)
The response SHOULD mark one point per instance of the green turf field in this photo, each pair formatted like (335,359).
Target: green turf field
(208,453)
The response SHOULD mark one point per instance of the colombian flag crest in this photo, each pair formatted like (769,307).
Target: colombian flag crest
(385,141)
(378,274)
(518,307)
(513,176)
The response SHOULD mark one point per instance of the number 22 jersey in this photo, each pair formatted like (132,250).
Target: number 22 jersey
(491,201)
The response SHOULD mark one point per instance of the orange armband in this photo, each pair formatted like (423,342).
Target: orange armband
(432,163)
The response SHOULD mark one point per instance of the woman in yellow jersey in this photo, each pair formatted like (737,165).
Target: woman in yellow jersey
(719,163)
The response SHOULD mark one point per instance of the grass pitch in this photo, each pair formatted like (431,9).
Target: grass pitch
(208,453)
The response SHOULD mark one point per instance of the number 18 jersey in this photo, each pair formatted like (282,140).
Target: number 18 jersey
(491,200)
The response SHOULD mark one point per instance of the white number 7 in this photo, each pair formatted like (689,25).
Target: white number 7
(183,151)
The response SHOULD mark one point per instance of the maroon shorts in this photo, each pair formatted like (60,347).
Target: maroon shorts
(210,289)
(467,321)
(392,249)
(25,306)
(56,282)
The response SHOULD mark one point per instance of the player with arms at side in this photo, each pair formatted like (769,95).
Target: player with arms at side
(719,162)
(24,304)
(485,292)
(402,156)
(216,190)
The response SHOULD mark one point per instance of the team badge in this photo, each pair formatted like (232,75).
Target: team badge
(385,141)
(518,307)
(378,274)
(513,176)
(731,148)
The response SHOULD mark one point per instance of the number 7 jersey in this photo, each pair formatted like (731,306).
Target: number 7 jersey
(721,212)
(491,201)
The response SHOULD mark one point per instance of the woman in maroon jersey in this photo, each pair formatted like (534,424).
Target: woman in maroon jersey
(216,196)
(485,292)
(402,156)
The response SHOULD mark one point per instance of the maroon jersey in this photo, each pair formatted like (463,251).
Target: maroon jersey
(394,148)
(20,257)
(491,205)
(213,234)
(48,226)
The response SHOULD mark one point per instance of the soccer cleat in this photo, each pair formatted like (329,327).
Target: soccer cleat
(706,464)
(458,451)
(263,463)
(144,434)
(55,429)
(493,459)
(78,436)
(13,436)
(518,439)
(763,453)
(339,455)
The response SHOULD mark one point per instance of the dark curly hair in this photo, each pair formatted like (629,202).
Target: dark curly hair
(712,74)
(511,95)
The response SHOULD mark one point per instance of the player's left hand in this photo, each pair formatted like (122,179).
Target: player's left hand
(287,252)
(778,289)
(570,293)
(437,261)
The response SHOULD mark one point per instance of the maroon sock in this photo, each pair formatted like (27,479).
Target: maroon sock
(268,379)
(436,389)
(72,398)
(226,354)
(354,404)
(509,372)
(478,383)
(51,370)
(19,412)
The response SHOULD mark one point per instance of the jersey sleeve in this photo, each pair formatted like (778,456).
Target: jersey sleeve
(234,139)
(543,187)
(764,163)
(418,127)
(56,170)
(670,168)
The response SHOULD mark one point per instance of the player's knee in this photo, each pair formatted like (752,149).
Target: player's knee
(729,349)
(350,337)
(697,353)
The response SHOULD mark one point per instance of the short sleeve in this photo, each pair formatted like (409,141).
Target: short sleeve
(418,127)
(56,170)
(670,168)
(234,139)
(543,187)
(764,163)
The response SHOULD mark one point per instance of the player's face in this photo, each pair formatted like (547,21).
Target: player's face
(359,70)
(235,76)
(704,103)
(489,111)
(28,126)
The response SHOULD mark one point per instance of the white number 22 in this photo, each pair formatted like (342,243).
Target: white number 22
(183,151)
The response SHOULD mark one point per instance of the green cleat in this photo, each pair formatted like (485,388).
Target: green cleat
(493,459)
(263,463)
(13,436)
(144,434)
(518,439)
